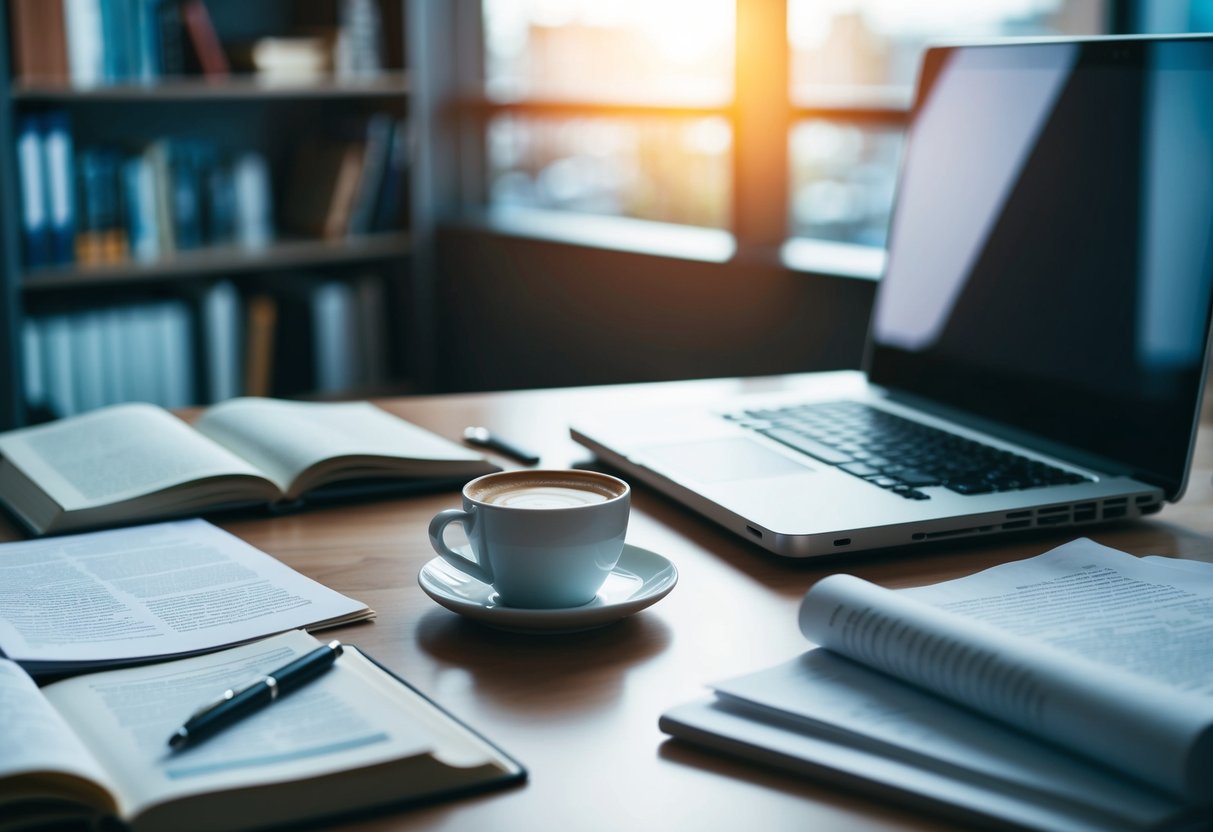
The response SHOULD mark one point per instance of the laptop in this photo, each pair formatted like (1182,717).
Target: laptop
(1038,343)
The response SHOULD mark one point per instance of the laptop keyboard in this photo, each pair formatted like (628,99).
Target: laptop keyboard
(898,454)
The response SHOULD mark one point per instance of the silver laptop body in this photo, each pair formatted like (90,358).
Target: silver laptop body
(1047,296)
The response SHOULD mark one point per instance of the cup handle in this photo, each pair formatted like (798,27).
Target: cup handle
(467,566)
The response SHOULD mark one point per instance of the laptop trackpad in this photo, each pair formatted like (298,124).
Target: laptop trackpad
(720,460)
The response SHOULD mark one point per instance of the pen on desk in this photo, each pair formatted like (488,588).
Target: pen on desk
(485,439)
(237,703)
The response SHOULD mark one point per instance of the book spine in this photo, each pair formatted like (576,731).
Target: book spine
(100,233)
(115,29)
(388,209)
(32,371)
(85,41)
(223,224)
(39,45)
(254,203)
(168,45)
(35,214)
(142,39)
(185,187)
(374,165)
(201,32)
(139,189)
(221,328)
(59,165)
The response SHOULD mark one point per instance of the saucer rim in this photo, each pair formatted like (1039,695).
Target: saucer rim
(558,619)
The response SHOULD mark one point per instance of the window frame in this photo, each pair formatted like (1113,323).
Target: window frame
(761,114)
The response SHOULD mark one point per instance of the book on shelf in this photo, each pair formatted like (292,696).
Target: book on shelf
(1070,691)
(88,43)
(149,593)
(39,42)
(46,167)
(106,355)
(93,749)
(348,186)
(35,212)
(200,32)
(135,462)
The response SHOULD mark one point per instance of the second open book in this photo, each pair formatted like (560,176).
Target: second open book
(137,462)
(1069,691)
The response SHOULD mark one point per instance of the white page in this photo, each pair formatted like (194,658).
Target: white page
(33,736)
(144,591)
(285,438)
(336,722)
(1143,725)
(837,698)
(116,453)
(715,724)
(1151,616)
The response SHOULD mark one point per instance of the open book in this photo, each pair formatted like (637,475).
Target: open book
(357,737)
(135,462)
(1071,691)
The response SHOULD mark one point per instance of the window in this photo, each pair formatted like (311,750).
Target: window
(613,108)
(864,54)
(778,122)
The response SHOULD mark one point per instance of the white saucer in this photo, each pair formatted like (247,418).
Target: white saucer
(641,578)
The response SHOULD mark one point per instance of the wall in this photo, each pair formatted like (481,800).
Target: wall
(518,313)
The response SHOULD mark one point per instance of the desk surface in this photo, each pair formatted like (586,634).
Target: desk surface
(580,710)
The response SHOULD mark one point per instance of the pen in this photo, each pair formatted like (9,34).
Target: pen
(236,703)
(485,439)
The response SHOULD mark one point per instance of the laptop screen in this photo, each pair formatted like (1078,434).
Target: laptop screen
(1050,251)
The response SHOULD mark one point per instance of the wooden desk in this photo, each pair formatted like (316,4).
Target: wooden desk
(580,711)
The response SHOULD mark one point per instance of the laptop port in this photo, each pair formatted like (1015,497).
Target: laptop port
(754,532)
(843,541)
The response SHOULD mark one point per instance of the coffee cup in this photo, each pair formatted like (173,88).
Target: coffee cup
(541,539)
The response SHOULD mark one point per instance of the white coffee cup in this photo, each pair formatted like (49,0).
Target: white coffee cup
(542,539)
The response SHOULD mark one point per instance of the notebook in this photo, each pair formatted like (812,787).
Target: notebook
(1038,344)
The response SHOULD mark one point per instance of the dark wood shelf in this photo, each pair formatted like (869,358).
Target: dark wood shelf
(234,88)
(227,260)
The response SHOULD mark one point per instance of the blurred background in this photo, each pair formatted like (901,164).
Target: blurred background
(343,198)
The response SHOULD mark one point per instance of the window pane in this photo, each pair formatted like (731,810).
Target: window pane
(666,51)
(842,181)
(847,43)
(664,169)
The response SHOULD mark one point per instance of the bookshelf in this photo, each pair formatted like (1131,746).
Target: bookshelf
(246,225)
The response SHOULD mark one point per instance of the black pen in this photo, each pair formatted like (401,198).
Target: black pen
(237,703)
(485,439)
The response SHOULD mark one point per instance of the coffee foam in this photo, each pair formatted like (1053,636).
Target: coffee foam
(526,489)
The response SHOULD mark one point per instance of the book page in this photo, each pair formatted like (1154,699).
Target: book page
(1150,616)
(285,439)
(1139,724)
(148,591)
(843,701)
(34,738)
(117,453)
(338,722)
